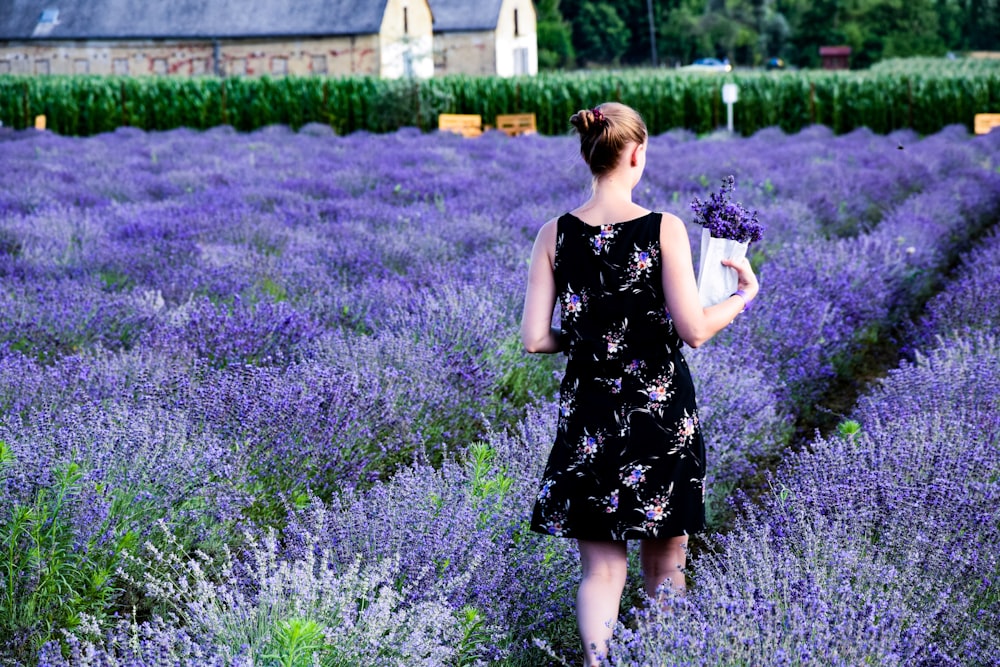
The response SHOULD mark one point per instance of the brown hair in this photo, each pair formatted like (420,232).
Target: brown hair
(604,131)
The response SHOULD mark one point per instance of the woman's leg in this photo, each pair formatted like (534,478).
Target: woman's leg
(605,565)
(662,561)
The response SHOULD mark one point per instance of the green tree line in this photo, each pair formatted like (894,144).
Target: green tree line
(749,32)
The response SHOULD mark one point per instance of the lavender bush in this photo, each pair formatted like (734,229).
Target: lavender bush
(874,547)
(239,334)
(968,303)
(877,545)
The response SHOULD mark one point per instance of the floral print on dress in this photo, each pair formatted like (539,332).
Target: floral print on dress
(615,339)
(641,264)
(635,367)
(614,385)
(567,399)
(687,431)
(688,426)
(589,446)
(628,458)
(611,502)
(660,390)
(572,304)
(603,238)
(656,509)
(633,475)
(554,525)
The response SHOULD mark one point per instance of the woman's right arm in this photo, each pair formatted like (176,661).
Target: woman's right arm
(537,334)
(695,324)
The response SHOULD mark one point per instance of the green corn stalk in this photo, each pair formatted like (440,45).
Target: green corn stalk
(925,94)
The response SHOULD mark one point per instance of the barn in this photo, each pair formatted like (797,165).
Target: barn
(485,37)
(387,38)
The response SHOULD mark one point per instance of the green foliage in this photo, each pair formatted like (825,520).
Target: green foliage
(924,96)
(555,45)
(601,36)
(679,39)
(523,379)
(48,580)
(849,428)
(750,31)
(475,635)
(295,641)
(555,36)
(489,483)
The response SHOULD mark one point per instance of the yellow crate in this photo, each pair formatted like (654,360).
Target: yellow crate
(466,124)
(517,123)
(985,122)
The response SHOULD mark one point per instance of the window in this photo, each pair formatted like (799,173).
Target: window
(41,67)
(81,66)
(238,67)
(279,66)
(318,65)
(119,66)
(159,65)
(517,29)
(48,20)
(521,62)
(407,64)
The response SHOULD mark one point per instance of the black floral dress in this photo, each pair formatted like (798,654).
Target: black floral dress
(628,459)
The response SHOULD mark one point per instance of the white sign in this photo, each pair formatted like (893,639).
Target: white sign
(730,93)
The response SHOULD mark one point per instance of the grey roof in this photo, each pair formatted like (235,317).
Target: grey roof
(124,19)
(459,15)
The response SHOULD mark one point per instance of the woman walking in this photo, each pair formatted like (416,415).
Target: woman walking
(628,460)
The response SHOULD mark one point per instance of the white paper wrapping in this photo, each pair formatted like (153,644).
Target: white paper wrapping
(717,282)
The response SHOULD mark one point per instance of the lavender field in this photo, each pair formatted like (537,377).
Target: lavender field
(263,402)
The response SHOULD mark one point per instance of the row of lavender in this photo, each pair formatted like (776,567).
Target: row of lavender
(879,545)
(212,340)
(875,548)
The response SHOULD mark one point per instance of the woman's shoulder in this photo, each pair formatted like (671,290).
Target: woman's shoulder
(547,233)
(672,229)
(550,227)
(670,223)
(669,219)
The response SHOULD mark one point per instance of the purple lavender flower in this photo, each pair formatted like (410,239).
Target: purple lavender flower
(726,219)
(235,331)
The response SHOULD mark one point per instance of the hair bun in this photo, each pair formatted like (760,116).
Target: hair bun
(583,120)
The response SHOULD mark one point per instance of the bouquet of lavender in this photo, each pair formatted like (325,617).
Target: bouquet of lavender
(727,231)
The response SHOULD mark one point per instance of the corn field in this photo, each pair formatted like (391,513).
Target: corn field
(923,96)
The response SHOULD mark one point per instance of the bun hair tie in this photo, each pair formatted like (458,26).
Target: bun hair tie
(599,116)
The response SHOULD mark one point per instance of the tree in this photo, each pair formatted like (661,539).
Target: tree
(555,36)
(982,24)
(599,34)
(895,30)
(819,25)
(679,38)
(750,31)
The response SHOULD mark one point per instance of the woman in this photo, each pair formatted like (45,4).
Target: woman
(628,460)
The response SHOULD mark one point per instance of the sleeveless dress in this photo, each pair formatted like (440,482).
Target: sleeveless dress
(628,459)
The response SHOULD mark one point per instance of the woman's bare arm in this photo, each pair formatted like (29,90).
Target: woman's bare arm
(695,324)
(537,333)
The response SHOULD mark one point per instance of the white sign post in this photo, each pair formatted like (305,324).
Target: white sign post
(730,94)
